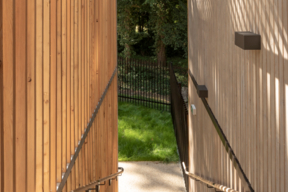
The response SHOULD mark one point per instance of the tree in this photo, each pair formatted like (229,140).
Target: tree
(169,23)
(176,31)
(164,21)
(127,22)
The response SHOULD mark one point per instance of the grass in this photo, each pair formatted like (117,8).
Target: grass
(145,134)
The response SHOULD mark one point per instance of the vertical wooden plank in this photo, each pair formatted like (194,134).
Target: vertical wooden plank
(20,95)
(276,91)
(83,124)
(104,56)
(86,117)
(285,90)
(87,106)
(73,184)
(92,81)
(73,144)
(39,96)
(109,96)
(59,91)
(31,96)
(281,102)
(76,85)
(271,98)
(46,94)
(8,95)
(1,101)
(255,135)
(88,90)
(260,96)
(68,155)
(79,37)
(258,100)
(53,95)
(266,163)
(273,64)
(64,84)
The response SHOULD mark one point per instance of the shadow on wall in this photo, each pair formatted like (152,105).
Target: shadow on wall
(248,90)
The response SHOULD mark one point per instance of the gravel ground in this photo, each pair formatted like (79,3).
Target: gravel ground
(151,176)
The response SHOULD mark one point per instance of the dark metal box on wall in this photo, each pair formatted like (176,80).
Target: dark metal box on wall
(202,91)
(247,40)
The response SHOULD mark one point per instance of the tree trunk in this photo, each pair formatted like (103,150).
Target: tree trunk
(161,54)
(127,51)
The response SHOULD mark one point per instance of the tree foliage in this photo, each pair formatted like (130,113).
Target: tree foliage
(164,21)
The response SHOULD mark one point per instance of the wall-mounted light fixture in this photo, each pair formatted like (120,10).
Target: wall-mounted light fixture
(202,91)
(247,40)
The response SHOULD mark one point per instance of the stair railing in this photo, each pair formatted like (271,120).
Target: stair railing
(209,184)
(200,89)
(96,185)
(70,165)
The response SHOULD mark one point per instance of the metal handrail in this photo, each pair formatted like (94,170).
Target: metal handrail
(70,165)
(224,140)
(97,183)
(209,184)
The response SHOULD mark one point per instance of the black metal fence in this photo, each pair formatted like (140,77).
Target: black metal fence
(179,114)
(144,83)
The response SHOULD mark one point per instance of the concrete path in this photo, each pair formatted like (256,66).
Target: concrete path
(151,176)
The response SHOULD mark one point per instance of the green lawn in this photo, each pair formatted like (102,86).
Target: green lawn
(145,134)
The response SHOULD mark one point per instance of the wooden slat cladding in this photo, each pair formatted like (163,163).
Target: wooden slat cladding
(1,103)
(56,58)
(248,92)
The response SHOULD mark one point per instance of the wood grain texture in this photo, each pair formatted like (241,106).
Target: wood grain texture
(53,96)
(39,95)
(1,101)
(8,94)
(31,83)
(64,84)
(56,58)
(59,90)
(247,92)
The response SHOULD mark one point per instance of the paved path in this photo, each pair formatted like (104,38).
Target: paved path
(151,176)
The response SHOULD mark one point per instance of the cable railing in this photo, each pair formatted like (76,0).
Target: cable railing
(203,94)
(209,184)
(96,185)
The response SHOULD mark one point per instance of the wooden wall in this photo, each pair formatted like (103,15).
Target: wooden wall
(58,56)
(248,92)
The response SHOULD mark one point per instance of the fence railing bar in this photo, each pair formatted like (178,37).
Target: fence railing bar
(224,139)
(147,101)
(61,185)
(99,181)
